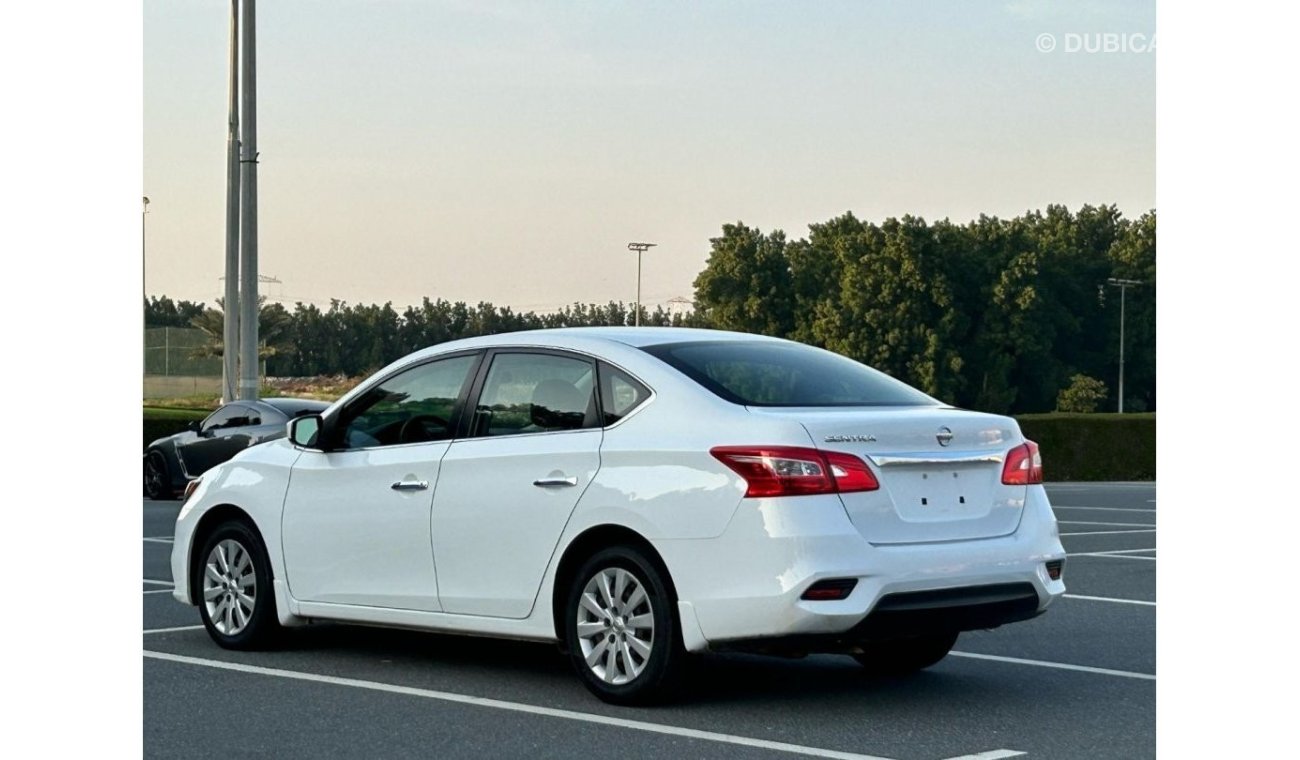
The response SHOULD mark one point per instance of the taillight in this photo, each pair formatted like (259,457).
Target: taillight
(1024,465)
(796,471)
(190,488)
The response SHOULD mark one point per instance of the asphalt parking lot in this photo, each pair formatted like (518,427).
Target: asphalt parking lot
(1076,682)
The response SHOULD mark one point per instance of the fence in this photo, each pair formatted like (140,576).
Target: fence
(172,366)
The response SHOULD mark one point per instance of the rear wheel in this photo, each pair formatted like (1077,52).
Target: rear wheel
(621,628)
(904,656)
(157,478)
(235,596)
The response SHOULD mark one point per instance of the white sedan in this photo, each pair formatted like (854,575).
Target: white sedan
(635,495)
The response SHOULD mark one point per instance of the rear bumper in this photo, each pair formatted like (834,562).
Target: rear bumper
(744,587)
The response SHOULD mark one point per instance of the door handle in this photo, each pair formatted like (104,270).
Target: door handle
(548,482)
(410,485)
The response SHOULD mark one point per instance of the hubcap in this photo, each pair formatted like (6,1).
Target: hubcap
(153,476)
(616,625)
(229,587)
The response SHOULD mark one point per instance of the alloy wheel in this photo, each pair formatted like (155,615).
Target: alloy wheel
(615,625)
(229,587)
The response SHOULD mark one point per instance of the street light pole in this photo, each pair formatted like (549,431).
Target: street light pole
(1123,286)
(640,248)
(248,364)
(230,304)
(144,248)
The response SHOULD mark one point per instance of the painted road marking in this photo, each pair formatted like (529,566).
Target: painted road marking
(173,629)
(1084,522)
(1109,599)
(158,540)
(1112,555)
(499,704)
(1109,532)
(1057,665)
(159,583)
(158,591)
(1104,509)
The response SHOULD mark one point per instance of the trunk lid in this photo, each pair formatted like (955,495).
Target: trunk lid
(940,470)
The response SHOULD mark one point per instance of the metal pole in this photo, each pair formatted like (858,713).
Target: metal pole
(248,368)
(1122,290)
(144,248)
(230,329)
(640,248)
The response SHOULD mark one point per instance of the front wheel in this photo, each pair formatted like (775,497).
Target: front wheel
(621,628)
(903,656)
(236,600)
(157,478)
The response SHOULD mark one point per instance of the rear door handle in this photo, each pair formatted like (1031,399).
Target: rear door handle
(410,485)
(549,482)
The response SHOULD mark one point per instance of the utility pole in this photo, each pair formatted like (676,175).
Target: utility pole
(1123,286)
(230,333)
(248,365)
(640,248)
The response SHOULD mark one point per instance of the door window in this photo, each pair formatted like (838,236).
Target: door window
(228,416)
(536,393)
(415,406)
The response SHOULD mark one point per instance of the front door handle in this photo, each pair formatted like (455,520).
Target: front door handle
(549,482)
(411,485)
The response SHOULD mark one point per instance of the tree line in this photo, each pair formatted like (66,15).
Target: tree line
(1002,315)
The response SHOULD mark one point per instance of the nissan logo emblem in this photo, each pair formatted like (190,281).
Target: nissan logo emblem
(944,437)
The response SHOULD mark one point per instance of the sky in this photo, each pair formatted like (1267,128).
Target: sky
(509,151)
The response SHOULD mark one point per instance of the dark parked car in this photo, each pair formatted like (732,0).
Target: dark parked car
(171,462)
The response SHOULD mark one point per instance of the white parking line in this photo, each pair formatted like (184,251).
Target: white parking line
(1104,509)
(1057,665)
(173,629)
(1111,555)
(993,754)
(159,591)
(1109,532)
(157,540)
(159,583)
(550,712)
(1084,522)
(1109,599)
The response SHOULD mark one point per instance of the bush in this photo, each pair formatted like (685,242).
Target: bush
(160,422)
(1094,446)
(1084,394)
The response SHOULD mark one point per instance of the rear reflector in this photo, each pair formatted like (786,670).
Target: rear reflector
(830,590)
(1054,568)
(796,471)
(1024,465)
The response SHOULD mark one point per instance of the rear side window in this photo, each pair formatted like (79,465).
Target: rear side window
(762,373)
(536,393)
(620,393)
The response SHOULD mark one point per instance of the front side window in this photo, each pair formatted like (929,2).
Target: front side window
(228,416)
(763,373)
(415,406)
(535,393)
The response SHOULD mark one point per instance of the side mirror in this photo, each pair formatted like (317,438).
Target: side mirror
(305,431)
(192,426)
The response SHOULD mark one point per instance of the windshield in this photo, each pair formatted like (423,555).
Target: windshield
(764,373)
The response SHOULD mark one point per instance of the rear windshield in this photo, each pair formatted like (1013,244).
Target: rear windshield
(762,373)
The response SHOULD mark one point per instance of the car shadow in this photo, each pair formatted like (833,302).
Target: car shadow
(503,668)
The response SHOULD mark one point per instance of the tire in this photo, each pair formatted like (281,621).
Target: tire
(903,656)
(157,477)
(631,636)
(241,611)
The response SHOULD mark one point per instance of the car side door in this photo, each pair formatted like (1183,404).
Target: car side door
(355,526)
(507,488)
(222,435)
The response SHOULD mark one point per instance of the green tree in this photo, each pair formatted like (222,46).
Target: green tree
(1083,394)
(746,285)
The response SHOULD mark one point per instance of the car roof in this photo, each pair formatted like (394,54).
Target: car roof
(576,337)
